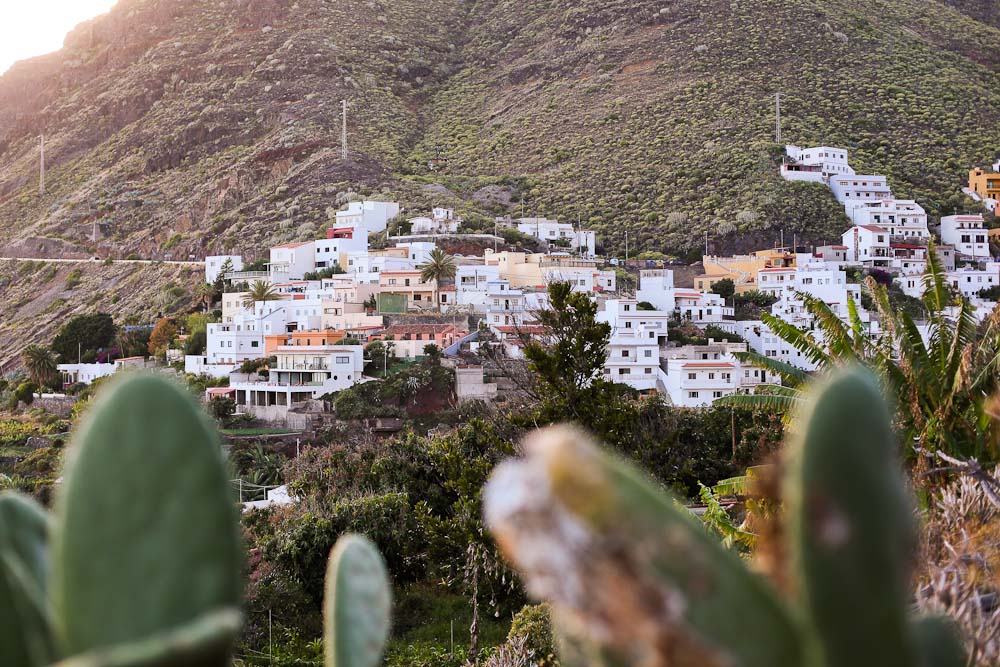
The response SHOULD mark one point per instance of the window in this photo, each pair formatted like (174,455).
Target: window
(692,376)
(343,360)
(254,343)
(624,353)
(649,371)
(716,394)
(711,376)
(692,394)
(648,353)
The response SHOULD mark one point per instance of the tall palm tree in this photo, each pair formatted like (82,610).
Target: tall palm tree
(943,373)
(439,266)
(41,365)
(260,290)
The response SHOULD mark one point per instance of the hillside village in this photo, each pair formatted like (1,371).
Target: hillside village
(300,326)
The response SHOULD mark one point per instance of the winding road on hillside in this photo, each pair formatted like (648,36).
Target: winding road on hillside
(90,260)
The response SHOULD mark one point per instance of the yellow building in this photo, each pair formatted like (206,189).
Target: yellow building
(985,184)
(522,269)
(741,269)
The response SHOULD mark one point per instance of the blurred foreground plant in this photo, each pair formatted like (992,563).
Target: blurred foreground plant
(634,579)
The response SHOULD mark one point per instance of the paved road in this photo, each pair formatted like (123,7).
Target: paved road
(54,260)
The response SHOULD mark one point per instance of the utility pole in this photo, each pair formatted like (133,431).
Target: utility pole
(626,247)
(343,130)
(777,117)
(706,244)
(41,165)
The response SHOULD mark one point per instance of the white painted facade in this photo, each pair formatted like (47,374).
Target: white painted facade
(368,216)
(656,287)
(967,233)
(302,373)
(902,218)
(213,265)
(815,164)
(867,244)
(860,189)
(292,261)
(334,251)
(551,231)
(85,373)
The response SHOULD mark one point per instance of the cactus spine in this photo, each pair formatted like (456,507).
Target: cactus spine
(356,605)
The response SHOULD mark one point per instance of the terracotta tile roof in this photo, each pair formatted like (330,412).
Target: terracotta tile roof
(874,228)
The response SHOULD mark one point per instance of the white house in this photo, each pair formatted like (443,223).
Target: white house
(697,375)
(968,234)
(85,373)
(302,373)
(419,251)
(633,358)
(867,244)
(472,285)
(634,346)
(656,287)
(559,233)
(292,261)
(338,244)
(214,264)
(969,281)
(366,268)
(859,189)
(368,216)
(582,279)
(903,218)
(815,164)
(442,221)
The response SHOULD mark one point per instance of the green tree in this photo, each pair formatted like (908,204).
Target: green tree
(41,365)
(207,294)
(725,288)
(84,334)
(438,267)
(569,356)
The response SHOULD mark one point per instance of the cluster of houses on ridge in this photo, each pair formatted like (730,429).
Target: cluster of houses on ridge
(319,322)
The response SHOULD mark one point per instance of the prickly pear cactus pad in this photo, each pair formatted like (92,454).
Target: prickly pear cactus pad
(627,571)
(357,604)
(25,634)
(146,537)
(851,524)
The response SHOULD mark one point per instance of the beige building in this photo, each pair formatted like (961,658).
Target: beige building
(419,293)
(522,269)
(741,269)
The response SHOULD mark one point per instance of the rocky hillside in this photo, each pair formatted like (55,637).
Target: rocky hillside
(187,126)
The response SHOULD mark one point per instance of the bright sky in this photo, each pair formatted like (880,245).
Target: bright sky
(33,27)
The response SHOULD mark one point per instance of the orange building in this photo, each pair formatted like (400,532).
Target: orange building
(986,185)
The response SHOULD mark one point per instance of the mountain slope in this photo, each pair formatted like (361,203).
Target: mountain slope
(184,127)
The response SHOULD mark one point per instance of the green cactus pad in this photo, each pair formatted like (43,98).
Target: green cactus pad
(851,525)
(357,604)
(146,536)
(25,632)
(201,643)
(937,642)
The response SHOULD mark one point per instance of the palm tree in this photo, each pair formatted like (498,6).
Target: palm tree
(41,365)
(943,373)
(439,266)
(260,290)
(207,294)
